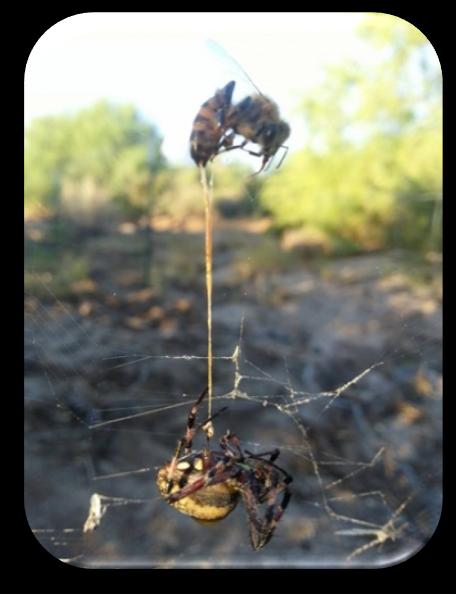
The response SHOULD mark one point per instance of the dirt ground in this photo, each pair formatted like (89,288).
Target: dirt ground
(107,346)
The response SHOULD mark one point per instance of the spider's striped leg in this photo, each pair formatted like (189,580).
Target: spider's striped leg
(275,510)
(191,429)
(256,522)
(232,446)
(273,454)
(211,418)
(186,441)
(219,473)
(262,527)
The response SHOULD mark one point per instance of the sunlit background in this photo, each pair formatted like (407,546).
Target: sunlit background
(361,93)
(326,268)
(161,64)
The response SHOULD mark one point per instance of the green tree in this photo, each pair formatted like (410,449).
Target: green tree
(370,173)
(46,159)
(100,155)
(181,193)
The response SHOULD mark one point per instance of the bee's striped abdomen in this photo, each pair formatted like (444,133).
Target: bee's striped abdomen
(209,125)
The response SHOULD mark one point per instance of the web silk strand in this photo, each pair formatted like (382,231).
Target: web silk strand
(208,258)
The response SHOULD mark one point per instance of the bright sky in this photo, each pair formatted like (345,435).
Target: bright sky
(160,62)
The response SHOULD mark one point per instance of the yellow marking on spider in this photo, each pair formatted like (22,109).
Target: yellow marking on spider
(183,465)
(209,503)
(198,464)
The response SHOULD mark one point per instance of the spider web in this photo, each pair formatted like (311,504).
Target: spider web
(99,428)
(338,367)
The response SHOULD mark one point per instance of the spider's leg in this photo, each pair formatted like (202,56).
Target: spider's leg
(220,472)
(173,464)
(256,522)
(186,441)
(273,454)
(211,418)
(229,441)
(191,430)
(262,528)
(275,510)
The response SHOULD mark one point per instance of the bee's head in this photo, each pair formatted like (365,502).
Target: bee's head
(274,135)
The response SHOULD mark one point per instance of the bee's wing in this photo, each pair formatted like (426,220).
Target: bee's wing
(231,65)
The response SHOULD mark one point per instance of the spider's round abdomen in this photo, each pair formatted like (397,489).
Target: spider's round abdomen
(210,503)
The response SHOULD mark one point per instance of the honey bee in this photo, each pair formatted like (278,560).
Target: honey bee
(209,126)
(257,119)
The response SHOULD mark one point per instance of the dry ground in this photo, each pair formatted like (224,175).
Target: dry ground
(96,341)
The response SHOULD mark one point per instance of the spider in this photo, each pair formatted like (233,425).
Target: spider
(207,484)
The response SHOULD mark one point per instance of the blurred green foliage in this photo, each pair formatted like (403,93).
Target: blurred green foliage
(368,176)
(236,194)
(99,158)
(105,158)
(370,173)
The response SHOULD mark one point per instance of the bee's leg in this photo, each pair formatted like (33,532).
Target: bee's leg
(283,156)
(227,140)
(265,164)
(265,160)
(255,154)
(229,148)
